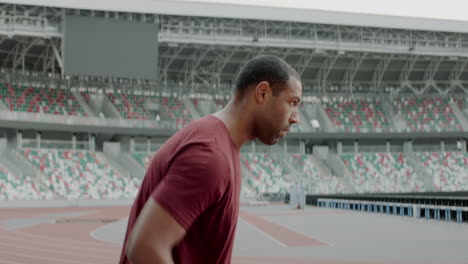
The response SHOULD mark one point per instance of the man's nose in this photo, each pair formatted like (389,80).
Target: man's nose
(294,117)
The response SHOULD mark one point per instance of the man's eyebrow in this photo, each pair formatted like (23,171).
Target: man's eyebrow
(297,98)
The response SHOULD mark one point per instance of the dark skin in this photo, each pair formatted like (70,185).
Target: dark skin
(257,114)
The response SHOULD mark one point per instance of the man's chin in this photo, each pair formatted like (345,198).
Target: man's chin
(271,141)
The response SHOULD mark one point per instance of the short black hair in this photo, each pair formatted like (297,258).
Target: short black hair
(269,68)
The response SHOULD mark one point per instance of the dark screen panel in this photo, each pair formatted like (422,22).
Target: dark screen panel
(106,47)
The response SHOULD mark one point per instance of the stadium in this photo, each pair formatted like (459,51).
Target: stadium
(378,163)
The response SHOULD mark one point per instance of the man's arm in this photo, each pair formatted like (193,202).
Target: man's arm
(154,235)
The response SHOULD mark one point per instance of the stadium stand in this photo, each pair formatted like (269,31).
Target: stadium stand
(356,114)
(449,169)
(268,174)
(352,83)
(319,184)
(40,100)
(14,187)
(427,114)
(80,175)
(381,173)
(177,111)
(220,103)
(132,106)
(277,173)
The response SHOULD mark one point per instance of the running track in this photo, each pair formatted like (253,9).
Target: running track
(53,237)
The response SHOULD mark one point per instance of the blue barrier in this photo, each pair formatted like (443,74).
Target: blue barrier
(410,210)
(459,216)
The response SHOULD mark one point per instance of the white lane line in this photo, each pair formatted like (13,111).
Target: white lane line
(92,234)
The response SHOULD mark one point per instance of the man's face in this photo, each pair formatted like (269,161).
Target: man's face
(279,113)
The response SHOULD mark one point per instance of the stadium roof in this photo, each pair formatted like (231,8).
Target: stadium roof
(275,10)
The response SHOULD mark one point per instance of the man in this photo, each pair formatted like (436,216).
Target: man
(188,203)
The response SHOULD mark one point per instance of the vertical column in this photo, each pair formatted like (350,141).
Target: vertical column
(388,146)
(339,147)
(132,145)
(93,143)
(463,145)
(148,144)
(19,139)
(38,140)
(74,141)
(356,146)
(442,145)
(253,146)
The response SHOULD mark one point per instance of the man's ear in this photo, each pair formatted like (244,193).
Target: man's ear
(262,90)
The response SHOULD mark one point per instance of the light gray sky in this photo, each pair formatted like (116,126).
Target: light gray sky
(439,9)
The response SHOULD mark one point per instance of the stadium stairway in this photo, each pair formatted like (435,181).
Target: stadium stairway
(81,101)
(204,106)
(3,106)
(114,162)
(21,165)
(322,117)
(396,122)
(318,164)
(122,161)
(136,169)
(421,173)
(95,103)
(107,108)
(324,170)
(191,108)
(304,120)
(459,115)
(342,172)
(336,165)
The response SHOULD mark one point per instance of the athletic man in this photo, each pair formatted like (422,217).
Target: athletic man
(188,203)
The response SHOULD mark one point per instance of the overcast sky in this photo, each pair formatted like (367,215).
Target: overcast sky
(440,9)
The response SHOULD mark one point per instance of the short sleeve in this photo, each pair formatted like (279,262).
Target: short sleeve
(194,181)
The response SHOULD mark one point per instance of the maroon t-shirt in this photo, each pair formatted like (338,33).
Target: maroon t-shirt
(196,177)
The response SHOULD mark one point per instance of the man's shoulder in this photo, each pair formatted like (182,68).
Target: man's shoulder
(208,121)
(204,131)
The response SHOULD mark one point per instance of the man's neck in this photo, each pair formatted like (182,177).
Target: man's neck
(237,122)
